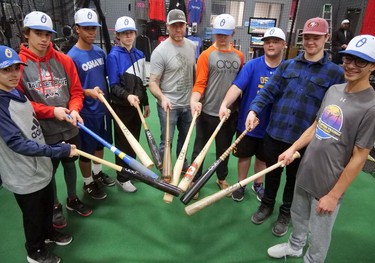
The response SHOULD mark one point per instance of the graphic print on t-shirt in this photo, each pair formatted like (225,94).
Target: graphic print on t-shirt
(330,123)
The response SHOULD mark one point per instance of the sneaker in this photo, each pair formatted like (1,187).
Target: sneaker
(104,179)
(281,226)
(239,194)
(58,219)
(127,186)
(258,190)
(43,256)
(261,214)
(94,190)
(59,238)
(196,196)
(283,250)
(223,185)
(77,206)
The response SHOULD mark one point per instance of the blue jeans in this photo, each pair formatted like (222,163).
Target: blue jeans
(181,118)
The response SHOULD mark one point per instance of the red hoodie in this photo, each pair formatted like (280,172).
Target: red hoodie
(51,81)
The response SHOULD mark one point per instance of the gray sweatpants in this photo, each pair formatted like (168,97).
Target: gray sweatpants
(307,223)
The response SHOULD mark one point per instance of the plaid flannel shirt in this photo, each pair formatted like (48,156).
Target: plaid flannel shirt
(296,91)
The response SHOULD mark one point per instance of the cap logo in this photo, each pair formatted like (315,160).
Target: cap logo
(361,42)
(43,19)
(126,22)
(8,53)
(89,15)
(180,16)
(272,31)
(313,24)
(222,22)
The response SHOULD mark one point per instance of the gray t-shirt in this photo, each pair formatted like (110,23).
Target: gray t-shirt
(175,67)
(344,120)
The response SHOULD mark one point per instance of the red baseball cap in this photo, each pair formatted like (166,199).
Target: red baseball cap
(316,26)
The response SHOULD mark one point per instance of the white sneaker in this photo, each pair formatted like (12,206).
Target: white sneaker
(283,250)
(127,186)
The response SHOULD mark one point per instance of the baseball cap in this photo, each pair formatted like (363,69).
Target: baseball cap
(316,26)
(224,24)
(362,46)
(86,17)
(345,21)
(8,57)
(176,16)
(274,32)
(125,23)
(38,20)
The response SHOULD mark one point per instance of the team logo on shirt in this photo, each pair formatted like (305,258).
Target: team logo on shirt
(330,123)
(48,85)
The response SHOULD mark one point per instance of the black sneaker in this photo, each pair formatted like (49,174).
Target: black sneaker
(258,190)
(42,256)
(262,214)
(59,238)
(239,194)
(94,190)
(58,219)
(77,206)
(281,226)
(104,179)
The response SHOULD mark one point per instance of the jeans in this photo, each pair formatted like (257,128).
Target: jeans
(273,148)
(180,117)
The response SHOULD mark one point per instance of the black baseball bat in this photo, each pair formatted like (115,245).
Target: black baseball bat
(155,153)
(190,193)
(171,189)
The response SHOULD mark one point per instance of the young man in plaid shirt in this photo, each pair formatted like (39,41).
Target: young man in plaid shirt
(296,91)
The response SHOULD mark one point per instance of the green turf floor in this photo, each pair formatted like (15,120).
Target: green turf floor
(140,227)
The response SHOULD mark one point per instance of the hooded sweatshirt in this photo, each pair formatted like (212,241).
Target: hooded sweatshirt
(51,81)
(25,164)
(127,75)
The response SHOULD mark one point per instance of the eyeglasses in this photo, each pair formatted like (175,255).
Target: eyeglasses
(359,62)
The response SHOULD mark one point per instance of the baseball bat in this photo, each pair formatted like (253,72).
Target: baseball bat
(370,158)
(155,153)
(181,159)
(193,169)
(189,194)
(199,205)
(139,151)
(133,163)
(167,158)
(171,189)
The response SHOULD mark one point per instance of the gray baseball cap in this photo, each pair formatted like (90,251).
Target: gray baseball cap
(176,16)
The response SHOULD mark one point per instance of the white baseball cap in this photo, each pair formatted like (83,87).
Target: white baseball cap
(125,23)
(86,17)
(362,46)
(274,32)
(345,21)
(38,20)
(224,24)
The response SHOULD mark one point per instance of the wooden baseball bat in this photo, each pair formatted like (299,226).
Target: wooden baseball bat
(193,169)
(167,159)
(189,194)
(133,163)
(370,158)
(140,152)
(171,189)
(155,153)
(199,205)
(181,159)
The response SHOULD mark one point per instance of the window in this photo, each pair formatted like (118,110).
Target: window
(234,8)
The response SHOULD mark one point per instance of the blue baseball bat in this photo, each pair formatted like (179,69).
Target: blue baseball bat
(133,163)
